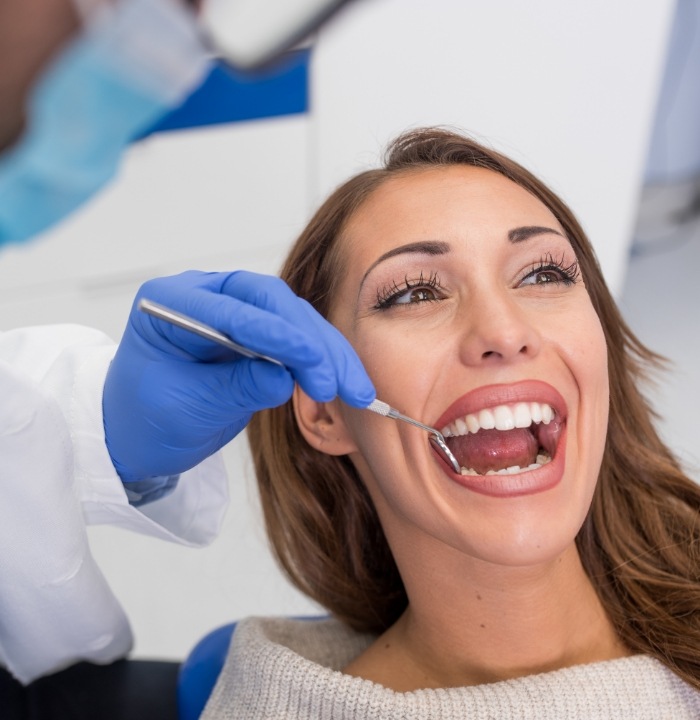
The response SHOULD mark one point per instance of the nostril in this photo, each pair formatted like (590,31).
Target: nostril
(524,350)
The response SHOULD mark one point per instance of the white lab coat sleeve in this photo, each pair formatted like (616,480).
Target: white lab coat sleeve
(56,475)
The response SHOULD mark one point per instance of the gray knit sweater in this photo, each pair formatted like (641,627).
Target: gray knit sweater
(281,669)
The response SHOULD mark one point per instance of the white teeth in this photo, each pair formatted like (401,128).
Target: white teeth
(547,414)
(473,423)
(522,415)
(461,427)
(501,417)
(468,471)
(486,420)
(542,459)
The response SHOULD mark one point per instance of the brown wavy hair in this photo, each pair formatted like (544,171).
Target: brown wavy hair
(640,542)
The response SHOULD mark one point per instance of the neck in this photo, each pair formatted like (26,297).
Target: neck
(467,624)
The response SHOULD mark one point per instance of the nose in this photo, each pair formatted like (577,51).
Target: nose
(498,329)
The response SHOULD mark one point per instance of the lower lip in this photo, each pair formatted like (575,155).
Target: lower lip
(525,483)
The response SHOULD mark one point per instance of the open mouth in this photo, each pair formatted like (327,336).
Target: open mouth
(505,439)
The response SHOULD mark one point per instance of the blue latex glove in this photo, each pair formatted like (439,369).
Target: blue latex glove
(172,398)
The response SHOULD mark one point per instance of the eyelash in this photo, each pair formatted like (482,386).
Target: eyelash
(387,297)
(568,274)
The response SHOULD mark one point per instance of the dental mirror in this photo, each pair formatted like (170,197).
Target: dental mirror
(436,437)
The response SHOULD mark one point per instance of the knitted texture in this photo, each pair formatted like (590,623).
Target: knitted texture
(281,669)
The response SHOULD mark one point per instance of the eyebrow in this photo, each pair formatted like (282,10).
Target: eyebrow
(519,234)
(424,247)
(436,247)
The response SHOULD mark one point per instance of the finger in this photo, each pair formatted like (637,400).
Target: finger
(284,337)
(340,371)
(349,378)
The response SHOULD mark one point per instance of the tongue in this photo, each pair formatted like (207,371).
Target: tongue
(495,449)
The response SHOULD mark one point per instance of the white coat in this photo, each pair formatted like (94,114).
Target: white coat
(55,477)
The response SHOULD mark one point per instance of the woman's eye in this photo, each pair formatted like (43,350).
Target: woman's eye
(415,295)
(549,271)
(543,277)
(411,292)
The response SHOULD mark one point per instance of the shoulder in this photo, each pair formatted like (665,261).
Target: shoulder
(322,640)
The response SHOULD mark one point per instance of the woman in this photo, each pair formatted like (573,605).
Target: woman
(557,575)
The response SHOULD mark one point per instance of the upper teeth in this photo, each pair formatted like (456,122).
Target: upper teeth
(501,417)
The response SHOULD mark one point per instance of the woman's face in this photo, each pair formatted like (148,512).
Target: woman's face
(462,296)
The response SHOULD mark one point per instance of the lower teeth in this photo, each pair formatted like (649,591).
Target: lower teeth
(542,459)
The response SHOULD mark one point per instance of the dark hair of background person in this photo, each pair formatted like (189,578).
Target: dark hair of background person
(640,542)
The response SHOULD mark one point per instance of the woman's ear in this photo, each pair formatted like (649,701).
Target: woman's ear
(322,424)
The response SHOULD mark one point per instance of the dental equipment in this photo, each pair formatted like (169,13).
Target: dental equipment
(436,437)
(205,331)
(377,406)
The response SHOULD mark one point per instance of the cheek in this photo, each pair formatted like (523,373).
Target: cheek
(402,371)
(390,367)
(404,376)
(587,359)
(600,382)
(592,362)
(380,459)
(579,337)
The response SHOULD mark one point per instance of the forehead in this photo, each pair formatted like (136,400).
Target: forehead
(446,203)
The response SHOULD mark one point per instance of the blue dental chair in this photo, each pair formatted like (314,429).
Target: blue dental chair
(199,672)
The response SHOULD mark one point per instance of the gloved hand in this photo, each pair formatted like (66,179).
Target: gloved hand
(172,398)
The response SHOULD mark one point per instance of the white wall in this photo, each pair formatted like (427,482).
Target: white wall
(566,88)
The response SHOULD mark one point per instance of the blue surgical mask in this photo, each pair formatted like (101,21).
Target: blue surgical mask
(134,61)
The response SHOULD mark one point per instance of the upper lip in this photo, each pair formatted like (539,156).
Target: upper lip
(490,396)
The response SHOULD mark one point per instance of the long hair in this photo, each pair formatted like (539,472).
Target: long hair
(640,542)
